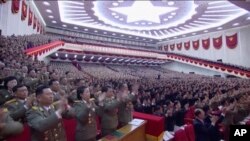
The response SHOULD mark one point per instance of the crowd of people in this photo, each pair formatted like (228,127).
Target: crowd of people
(41,94)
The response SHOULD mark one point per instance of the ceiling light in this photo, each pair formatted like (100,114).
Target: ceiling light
(149,23)
(137,38)
(83,56)
(143,23)
(121,19)
(95,31)
(104,32)
(85,29)
(66,55)
(46,3)
(248,18)
(144,39)
(165,19)
(117,16)
(205,31)
(170,3)
(235,24)
(173,13)
(115,4)
(114,59)
(113,34)
(48,11)
(64,25)
(99,58)
(56,54)
(120,59)
(219,28)
(106,59)
(53,21)
(175,37)
(50,16)
(92,57)
(193,33)
(130,36)
(113,13)
(136,23)
(120,1)
(183,35)
(170,17)
(75,27)
(75,56)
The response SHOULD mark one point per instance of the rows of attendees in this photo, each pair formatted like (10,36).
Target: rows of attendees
(174,96)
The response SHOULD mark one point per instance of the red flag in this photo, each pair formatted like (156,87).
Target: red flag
(196,44)
(30,17)
(187,45)
(179,46)
(24,10)
(172,46)
(217,42)
(15,6)
(206,43)
(232,41)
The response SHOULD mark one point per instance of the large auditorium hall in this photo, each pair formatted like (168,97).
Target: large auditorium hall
(124,70)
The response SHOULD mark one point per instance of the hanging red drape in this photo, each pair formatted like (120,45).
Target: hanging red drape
(24,10)
(165,48)
(187,45)
(172,46)
(35,22)
(15,6)
(196,44)
(179,46)
(217,42)
(30,17)
(232,41)
(206,43)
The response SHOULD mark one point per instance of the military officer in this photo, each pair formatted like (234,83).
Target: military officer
(126,105)
(6,94)
(20,103)
(8,126)
(109,104)
(44,120)
(86,111)
(31,81)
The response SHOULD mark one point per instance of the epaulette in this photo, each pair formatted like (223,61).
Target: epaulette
(10,101)
(77,101)
(5,110)
(34,107)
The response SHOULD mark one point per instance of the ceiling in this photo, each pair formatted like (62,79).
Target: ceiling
(147,21)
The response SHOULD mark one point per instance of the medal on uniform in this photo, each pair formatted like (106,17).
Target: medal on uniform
(89,118)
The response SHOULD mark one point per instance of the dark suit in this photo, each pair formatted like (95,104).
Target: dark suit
(201,131)
(214,133)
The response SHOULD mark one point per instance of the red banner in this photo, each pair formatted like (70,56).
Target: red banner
(172,46)
(179,46)
(30,17)
(15,6)
(196,44)
(38,26)
(217,42)
(34,22)
(24,10)
(206,43)
(232,41)
(166,48)
(187,45)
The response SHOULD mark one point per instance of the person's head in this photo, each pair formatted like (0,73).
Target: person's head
(21,91)
(63,80)
(44,95)
(215,115)
(177,104)
(79,82)
(83,93)
(123,87)
(54,85)
(32,73)
(108,90)
(10,82)
(199,113)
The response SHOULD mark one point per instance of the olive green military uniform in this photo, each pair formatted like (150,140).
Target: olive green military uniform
(45,125)
(86,129)
(32,83)
(16,109)
(109,118)
(125,110)
(5,96)
(11,127)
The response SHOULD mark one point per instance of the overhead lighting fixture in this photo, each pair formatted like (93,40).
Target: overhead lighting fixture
(113,34)
(219,28)
(49,11)
(193,33)
(114,59)
(127,60)
(46,3)
(54,22)
(183,35)
(248,18)
(85,29)
(235,24)
(122,35)
(121,59)
(106,59)
(66,55)
(95,31)
(205,31)
(75,27)
(83,56)
(50,16)
(104,32)
(170,3)
(99,58)
(75,56)
(92,57)
(56,54)
(64,25)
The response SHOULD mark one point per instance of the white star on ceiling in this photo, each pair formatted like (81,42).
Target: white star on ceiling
(143,11)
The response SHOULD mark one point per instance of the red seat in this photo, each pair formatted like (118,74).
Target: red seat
(98,125)
(189,129)
(188,121)
(248,122)
(180,135)
(24,136)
